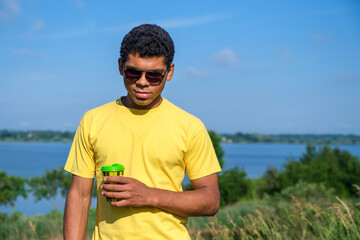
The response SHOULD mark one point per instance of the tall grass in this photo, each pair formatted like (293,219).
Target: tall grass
(286,219)
(299,220)
(39,227)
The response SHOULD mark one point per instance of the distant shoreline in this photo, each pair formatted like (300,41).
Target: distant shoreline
(318,139)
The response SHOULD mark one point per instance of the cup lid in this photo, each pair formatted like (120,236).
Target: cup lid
(113,168)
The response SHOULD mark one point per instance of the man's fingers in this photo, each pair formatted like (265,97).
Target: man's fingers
(121,195)
(113,187)
(120,203)
(117,179)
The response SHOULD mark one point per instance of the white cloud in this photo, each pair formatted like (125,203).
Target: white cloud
(80,4)
(9,9)
(184,22)
(347,77)
(193,72)
(75,33)
(322,38)
(225,58)
(173,23)
(37,26)
(284,53)
(27,52)
(24,124)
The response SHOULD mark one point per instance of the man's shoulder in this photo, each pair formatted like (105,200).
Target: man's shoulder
(103,108)
(181,114)
(100,111)
(171,107)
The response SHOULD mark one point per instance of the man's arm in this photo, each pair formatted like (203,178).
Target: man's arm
(204,200)
(77,207)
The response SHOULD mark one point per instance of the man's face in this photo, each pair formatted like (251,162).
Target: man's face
(141,93)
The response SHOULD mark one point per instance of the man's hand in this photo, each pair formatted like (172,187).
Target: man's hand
(204,200)
(131,191)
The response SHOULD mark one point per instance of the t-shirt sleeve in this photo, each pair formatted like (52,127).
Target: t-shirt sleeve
(200,159)
(81,160)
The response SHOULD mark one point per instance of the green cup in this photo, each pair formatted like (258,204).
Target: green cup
(112,170)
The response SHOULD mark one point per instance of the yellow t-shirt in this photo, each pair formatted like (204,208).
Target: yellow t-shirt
(156,147)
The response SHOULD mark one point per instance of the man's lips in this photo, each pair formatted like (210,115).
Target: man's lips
(142,94)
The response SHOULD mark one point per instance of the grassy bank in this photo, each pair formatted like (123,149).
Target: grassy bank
(266,219)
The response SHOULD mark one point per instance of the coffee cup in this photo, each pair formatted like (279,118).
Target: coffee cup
(112,170)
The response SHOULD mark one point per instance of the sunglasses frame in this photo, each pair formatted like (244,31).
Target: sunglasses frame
(146,76)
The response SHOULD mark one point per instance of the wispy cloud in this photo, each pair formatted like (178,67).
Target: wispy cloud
(322,38)
(193,72)
(347,77)
(37,26)
(28,53)
(25,124)
(185,22)
(284,53)
(225,58)
(173,23)
(75,33)
(80,4)
(92,29)
(9,9)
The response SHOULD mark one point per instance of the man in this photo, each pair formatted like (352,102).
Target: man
(154,140)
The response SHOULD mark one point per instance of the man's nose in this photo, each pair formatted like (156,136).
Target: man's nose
(142,80)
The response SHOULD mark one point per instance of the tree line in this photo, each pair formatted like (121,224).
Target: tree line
(36,136)
(314,139)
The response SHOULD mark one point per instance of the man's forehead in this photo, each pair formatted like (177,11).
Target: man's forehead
(156,61)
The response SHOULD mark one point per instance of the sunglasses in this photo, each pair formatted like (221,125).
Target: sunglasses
(153,77)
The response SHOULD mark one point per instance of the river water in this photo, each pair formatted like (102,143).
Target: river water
(31,159)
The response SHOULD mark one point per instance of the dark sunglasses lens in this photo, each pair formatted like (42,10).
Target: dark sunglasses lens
(154,77)
(132,74)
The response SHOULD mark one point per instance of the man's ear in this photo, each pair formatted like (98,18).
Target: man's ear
(170,72)
(121,70)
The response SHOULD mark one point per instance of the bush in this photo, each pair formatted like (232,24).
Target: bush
(334,168)
(311,193)
(234,185)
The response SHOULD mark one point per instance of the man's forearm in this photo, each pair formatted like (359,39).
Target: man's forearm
(75,217)
(198,202)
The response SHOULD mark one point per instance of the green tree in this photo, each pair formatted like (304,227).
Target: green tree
(10,188)
(269,182)
(216,140)
(234,185)
(48,186)
(335,168)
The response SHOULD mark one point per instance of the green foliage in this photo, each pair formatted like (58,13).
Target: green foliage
(10,188)
(269,183)
(311,193)
(53,182)
(47,186)
(335,168)
(216,140)
(234,185)
(49,226)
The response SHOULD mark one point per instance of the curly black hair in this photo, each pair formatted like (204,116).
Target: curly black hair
(148,40)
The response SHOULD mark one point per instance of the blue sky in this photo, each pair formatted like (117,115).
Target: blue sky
(240,66)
